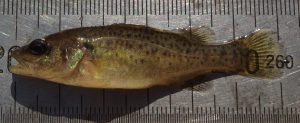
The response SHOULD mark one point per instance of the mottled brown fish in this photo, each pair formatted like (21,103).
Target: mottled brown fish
(134,56)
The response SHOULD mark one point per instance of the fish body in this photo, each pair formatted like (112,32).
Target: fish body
(133,56)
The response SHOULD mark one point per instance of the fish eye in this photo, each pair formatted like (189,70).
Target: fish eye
(38,47)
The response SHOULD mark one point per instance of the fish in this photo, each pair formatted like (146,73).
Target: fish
(128,56)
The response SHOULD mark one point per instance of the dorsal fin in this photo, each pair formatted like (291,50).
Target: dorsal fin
(203,34)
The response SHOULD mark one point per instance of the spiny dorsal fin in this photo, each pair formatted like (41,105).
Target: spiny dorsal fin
(203,34)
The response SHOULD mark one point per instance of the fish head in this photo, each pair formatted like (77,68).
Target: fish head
(44,59)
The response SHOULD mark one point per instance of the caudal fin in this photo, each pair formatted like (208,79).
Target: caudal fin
(261,44)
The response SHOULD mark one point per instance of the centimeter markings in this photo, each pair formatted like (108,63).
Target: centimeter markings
(159,114)
(155,7)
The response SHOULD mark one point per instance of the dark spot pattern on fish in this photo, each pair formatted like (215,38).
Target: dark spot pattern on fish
(222,51)
(140,46)
(88,46)
(130,56)
(214,50)
(142,61)
(128,35)
(147,52)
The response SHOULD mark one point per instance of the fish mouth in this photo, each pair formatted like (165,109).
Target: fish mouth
(16,64)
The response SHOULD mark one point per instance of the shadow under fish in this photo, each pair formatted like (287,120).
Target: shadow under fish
(98,105)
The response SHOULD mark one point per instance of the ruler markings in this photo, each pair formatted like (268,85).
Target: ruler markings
(77,7)
(126,102)
(237,7)
(206,6)
(246,7)
(112,7)
(163,5)
(85,7)
(215,104)
(259,9)
(158,7)
(64,7)
(103,101)
(59,98)
(8,7)
(284,7)
(98,7)
(147,12)
(168,13)
(295,4)
(148,100)
(47,7)
(94,7)
(107,7)
(25,6)
(272,8)
(290,11)
(150,9)
(172,6)
(294,7)
(202,7)
(37,102)
(194,7)
(104,9)
(224,7)
(220,8)
(228,7)
(3,6)
(268,7)
(29,7)
(215,5)
(233,24)
(280,5)
(81,105)
(116,7)
(185,7)
(211,13)
(298,2)
(237,95)
(124,11)
(154,7)
(297,117)
(281,97)
(143,7)
(263,6)
(34,7)
(170,102)
(120,5)
(241,7)
(21,7)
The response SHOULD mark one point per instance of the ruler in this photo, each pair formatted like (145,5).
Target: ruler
(229,99)
(157,115)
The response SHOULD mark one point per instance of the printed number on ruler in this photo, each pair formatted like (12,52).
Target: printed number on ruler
(280,61)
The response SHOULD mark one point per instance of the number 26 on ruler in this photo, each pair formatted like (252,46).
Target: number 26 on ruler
(280,61)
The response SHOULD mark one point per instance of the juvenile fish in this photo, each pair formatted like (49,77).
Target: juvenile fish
(134,56)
